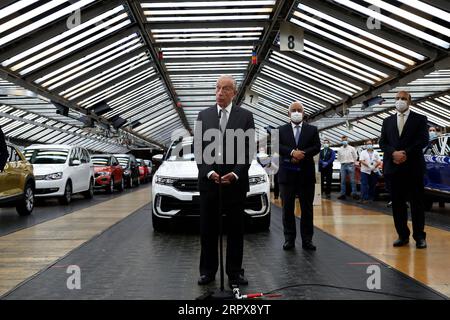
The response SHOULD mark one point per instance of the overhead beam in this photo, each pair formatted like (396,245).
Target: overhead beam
(205,43)
(281,11)
(37,37)
(207,24)
(103,68)
(360,21)
(82,53)
(135,9)
(425,69)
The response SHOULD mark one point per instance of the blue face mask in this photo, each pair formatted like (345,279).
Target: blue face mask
(369,147)
(344,143)
(326,146)
(432,134)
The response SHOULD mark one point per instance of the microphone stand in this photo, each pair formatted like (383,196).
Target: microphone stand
(221,294)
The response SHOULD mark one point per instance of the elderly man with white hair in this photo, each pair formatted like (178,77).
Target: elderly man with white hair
(299,143)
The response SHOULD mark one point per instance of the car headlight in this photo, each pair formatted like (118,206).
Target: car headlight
(127,172)
(54,176)
(257,179)
(103,173)
(165,180)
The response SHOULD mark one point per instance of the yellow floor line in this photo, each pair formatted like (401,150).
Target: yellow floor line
(26,252)
(373,233)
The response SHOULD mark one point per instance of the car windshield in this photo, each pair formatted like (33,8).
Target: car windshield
(181,152)
(46,156)
(101,161)
(123,161)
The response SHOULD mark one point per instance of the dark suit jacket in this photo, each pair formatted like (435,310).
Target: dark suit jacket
(238,119)
(3,151)
(309,142)
(413,139)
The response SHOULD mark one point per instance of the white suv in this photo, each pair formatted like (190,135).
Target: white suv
(61,170)
(175,192)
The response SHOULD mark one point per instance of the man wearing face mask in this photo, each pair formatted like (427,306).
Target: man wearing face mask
(326,159)
(347,157)
(299,143)
(403,137)
(370,164)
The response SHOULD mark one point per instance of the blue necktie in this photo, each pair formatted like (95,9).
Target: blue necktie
(297,134)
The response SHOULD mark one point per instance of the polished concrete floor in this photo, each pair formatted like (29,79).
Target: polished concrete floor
(120,257)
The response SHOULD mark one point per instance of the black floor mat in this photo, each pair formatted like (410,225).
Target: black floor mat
(130,261)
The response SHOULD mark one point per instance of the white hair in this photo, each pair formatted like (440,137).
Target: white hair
(227,76)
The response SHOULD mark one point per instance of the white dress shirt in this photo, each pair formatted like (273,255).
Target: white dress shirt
(228,109)
(347,154)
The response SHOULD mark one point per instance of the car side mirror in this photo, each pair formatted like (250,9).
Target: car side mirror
(76,162)
(157,158)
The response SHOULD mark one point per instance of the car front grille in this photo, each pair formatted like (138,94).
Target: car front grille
(42,177)
(187,208)
(192,208)
(187,185)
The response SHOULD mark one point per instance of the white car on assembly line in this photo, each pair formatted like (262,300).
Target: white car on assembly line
(61,170)
(175,194)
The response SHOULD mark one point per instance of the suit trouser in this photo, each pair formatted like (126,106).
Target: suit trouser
(233,208)
(404,187)
(305,193)
(326,177)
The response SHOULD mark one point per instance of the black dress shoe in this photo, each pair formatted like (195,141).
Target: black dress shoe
(309,246)
(342,197)
(237,281)
(205,279)
(421,244)
(288,245)
(400,242)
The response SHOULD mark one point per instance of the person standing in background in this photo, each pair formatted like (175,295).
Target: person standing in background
(347,157)
(370,164)
(326,159)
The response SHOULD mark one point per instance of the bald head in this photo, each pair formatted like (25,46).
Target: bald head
(296,112)
(403,95)
(296,106)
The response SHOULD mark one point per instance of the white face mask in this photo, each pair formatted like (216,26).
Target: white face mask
(401,105)
(296,117)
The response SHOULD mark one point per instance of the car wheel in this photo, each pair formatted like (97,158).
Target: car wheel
(121,185)
(26,205)
(89,193)
(110,188)
(67,197)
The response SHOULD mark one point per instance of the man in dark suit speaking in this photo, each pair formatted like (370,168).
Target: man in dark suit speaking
(403,136)
(225,155)
(299,143)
